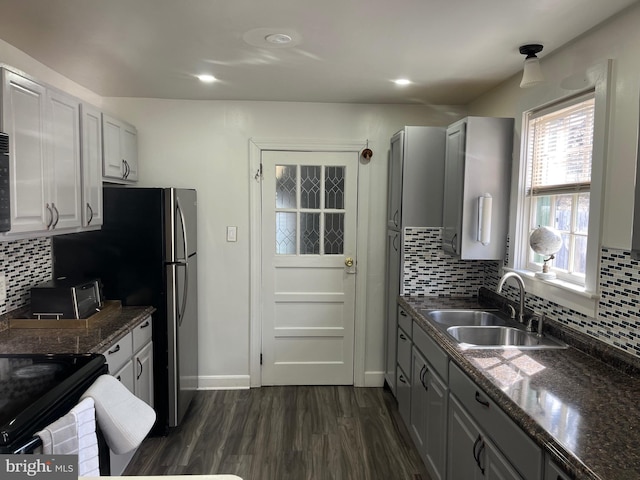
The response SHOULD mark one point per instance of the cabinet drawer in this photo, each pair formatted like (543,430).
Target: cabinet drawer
(142,334)
(404,320)
(432,352)
(404,351)
(119,352)
(521,451)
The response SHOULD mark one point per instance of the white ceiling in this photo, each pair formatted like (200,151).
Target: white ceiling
(344,50)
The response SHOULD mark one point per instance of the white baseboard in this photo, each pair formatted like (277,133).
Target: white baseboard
(223,382)
(373,379)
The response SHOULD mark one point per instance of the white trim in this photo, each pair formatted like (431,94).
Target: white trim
(373,379)
(595,78)
(255,206)
(223,382)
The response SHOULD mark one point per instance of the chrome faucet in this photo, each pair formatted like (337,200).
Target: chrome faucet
(520,282)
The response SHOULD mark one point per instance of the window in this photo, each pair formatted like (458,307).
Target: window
(559,152)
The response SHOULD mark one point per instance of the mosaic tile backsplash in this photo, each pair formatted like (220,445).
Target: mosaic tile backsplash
(617,323)
(25,264)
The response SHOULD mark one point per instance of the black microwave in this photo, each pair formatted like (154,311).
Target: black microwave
(65,298)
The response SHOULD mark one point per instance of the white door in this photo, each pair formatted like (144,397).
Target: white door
(309,207)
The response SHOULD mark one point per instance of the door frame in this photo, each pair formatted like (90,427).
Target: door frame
(256,146)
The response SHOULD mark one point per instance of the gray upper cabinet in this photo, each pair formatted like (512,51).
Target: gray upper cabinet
(477,163)
(416,171)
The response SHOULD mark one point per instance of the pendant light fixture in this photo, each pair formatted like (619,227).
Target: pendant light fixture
(531,75)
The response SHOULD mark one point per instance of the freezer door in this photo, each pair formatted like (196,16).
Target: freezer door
(181,224)
(182,332)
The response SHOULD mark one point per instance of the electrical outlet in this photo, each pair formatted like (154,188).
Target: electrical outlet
(3,287)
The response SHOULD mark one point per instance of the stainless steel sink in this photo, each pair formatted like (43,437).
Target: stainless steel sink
(476,337)
(464,317)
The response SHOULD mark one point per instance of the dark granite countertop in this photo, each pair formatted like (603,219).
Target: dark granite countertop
(95,338)
(581,410)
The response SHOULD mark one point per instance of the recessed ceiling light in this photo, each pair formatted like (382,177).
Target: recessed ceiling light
(207,78)
(278,38)
(402,81)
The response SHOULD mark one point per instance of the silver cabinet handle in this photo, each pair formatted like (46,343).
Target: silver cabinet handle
(50,216)
(53,205)
(90,214)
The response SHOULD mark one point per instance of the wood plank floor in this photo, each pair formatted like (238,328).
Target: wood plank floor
(287,433)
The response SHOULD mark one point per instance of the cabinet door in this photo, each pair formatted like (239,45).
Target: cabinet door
(144,374)
(436,421)
(65,187)
(419,403)
(464,444)
(497,467)
(393,290)
(113,158)
(403,392)
(23,119)
(394,205)
(91,129)
(130,151)
(453,188)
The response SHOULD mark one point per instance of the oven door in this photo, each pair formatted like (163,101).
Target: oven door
(36,390)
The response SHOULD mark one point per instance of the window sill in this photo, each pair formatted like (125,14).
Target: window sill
(563,293)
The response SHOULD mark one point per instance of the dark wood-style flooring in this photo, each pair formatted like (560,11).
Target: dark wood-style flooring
(287,433)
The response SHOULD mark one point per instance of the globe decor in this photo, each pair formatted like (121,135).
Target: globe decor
(545,241)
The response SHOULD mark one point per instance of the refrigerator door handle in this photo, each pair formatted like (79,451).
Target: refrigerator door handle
(184,262)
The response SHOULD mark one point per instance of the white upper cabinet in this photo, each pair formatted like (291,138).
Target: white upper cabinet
(23,119)
(64,178)
(120,160)
(91,128)
(44,132)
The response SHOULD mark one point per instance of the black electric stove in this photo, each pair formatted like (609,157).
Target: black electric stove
(36,390)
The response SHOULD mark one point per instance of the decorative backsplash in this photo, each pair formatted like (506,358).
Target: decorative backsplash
(25,264)
(617,322)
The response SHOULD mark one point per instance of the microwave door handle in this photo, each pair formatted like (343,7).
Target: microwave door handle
(185,263)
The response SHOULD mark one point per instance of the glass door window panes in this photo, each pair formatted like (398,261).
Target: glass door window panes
(309,208)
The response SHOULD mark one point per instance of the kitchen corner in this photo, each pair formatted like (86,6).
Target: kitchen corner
(578,405)
(95,338)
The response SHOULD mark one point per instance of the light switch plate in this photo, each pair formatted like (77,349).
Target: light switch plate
(3,287)
(232,234)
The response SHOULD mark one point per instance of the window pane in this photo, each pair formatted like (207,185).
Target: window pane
(582,218)
(541,207)
(309,233)
(285,186)
(310,186)
(334,187)
(580,257)
(334,233)
(562,204)
(285,233)
(562,257)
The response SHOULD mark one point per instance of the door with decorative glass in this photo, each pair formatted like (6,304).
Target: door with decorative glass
(309,208)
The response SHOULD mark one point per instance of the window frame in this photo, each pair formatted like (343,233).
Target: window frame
(528,262)
(580,298)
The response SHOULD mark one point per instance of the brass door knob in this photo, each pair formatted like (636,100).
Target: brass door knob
(349,262)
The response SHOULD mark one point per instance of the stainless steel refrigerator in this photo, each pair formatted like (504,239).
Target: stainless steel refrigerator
(146,254)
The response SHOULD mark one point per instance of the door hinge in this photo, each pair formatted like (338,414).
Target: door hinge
(258,176)
(260,359)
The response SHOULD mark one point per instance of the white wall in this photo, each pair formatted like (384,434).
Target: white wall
(619,40)
(204,144)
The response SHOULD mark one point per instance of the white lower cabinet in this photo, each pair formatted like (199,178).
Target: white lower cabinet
(130,360)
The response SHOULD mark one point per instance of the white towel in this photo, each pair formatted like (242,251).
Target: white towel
(124,419)
(75,434)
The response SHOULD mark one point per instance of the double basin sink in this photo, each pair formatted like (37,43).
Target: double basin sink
(484,329)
